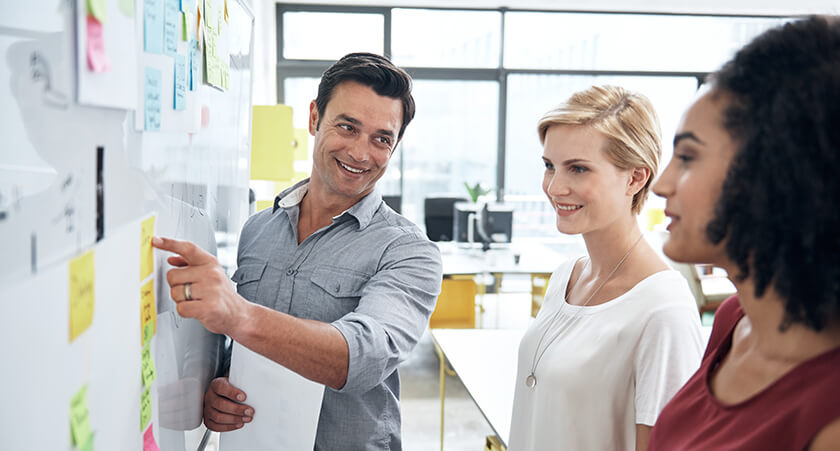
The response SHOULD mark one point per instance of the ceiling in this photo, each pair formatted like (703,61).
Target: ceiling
(748,7)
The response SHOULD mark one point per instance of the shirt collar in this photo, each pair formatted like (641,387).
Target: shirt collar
(362,210)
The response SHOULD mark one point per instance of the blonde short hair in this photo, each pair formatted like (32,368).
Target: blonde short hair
(626,118)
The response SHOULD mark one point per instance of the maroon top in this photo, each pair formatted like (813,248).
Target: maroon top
(785,415)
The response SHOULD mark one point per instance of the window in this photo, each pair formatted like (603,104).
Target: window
(482,79)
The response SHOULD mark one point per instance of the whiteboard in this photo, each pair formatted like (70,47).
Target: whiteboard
(77,173)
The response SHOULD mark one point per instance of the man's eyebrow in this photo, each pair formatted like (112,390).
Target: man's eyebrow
(687,135)
(352,120)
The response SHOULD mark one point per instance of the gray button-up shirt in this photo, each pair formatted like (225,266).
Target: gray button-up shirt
(374,276)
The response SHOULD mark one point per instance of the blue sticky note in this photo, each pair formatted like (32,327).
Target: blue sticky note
(171,22)
(152,26)
(195,65)
(151,99)
(180,82)
(188,5)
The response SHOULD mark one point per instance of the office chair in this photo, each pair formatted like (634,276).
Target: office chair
(439,214)
(394,201)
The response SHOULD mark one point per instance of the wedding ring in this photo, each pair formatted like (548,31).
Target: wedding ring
(187,293)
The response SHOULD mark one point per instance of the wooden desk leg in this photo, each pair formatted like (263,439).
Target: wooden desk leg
(442,388)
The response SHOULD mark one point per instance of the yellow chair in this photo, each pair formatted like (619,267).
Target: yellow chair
(539,283)
(455,307)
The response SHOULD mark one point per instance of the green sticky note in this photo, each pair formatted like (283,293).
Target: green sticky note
(88,446)
(127,7)
(148,333)
(149,373)
(145,409)
(98,9)
(79,419)
(183,26)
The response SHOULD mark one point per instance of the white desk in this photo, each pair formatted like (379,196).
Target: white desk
(485,360)
(534,258)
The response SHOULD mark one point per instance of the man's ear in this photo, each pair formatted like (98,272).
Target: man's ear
(638,178)
(313,118)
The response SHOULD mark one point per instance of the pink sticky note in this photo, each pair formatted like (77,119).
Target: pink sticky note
(149,443)
(96,56)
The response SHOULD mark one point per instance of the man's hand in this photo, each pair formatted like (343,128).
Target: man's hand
(212,298)
(222,409)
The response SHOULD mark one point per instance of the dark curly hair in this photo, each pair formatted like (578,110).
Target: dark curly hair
(374,71)
(778,209)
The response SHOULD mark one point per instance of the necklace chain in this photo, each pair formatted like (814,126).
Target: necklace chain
(531,380)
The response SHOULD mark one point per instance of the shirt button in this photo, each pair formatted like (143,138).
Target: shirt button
(290,272)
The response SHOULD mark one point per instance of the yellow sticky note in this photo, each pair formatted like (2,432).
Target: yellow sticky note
(98,9)
(148,310)
(226,12)
(79,419)
(272,157)
(148,366)
(145,408)
(82,292)
(301,144)
(147,256)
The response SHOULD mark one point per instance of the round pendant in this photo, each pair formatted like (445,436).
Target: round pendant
(531,381)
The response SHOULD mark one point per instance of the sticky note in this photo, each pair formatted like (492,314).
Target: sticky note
(96,57)
(301,144)
(148,367)
(147,256)
(180,82)
(171,21)
(79,418)
(148,332)
(272,157)
(151,103)
(209,18)
(195,64)
(81,293)
(187,5)
(197,22)
(226,12)
(98,9)
(149,443)
(127,7)
(88,446)
(183,26)
(153,26)
(145,408)
(148,310)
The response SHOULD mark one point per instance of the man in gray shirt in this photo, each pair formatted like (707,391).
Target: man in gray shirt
(331,283)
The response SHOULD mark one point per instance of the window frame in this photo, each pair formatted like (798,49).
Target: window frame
(292,68)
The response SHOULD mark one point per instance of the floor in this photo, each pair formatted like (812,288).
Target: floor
(464,425)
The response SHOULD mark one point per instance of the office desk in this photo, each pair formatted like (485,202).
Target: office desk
(485,361)
(534,258)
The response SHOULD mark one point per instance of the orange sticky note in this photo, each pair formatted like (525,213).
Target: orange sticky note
(149,443)
(148,311)
(81,293)
(96,57)
(147,256)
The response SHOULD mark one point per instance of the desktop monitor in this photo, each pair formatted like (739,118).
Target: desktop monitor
(439,213)
(491,223)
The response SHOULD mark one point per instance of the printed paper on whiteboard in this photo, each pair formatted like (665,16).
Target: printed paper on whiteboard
(286,405)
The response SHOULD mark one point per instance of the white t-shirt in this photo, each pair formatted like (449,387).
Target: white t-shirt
(611,366)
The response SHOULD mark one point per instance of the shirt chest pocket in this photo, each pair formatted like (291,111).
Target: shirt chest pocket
(247,279)
(335,292)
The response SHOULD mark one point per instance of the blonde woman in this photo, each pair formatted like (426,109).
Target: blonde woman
(619,331)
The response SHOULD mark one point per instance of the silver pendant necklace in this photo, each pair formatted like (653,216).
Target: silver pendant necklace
(531,379)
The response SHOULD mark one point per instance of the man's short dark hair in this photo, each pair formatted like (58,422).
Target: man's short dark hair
(374,71)
(778,210)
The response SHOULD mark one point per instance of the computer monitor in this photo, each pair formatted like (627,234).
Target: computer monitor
(491,223)
(439,213)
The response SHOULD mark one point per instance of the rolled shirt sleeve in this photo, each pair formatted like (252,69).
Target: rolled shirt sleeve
(393,312)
